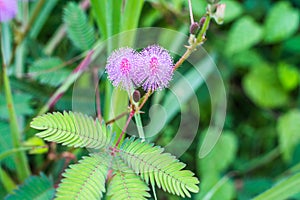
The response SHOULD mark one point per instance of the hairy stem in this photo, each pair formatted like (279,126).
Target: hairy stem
(98,99)
(125,127)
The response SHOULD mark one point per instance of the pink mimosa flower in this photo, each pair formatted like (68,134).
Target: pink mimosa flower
(8,9)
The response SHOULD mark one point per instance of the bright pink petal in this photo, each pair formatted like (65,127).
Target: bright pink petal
(8,10)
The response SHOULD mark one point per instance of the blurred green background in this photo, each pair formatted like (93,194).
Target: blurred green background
(257,53)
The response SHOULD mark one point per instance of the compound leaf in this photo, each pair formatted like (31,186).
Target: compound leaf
(34,188)
(85,180)
(158,168)
(72,129)
(125,184)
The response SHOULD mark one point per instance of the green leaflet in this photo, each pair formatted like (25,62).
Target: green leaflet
(72,129)
(85,180)
(135,158)
(80,32)
(125,184)
(35,188)
(158,168)
(282,190)
(48,71)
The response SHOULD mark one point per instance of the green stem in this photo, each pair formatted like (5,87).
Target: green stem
(261,161)
(67,83)
(13,151)
(139,125)
(215,188)
(55,39)
(7,181)
(194,42)
(23,34)
(204,28)
(20,158)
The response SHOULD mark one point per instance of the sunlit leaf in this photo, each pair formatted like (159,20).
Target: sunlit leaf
(288,76)
(221,156)
(288,128)
(233,10)
(244,34)
(262,86)
(282,21)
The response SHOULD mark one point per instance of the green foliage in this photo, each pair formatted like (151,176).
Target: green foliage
(288,76)
(79,30)
(125,184)
(41,20)
(49,71)
(72,129)
(233,10)
(214,164)
(253,187)
(292,45)
(225,151)
(244,34)
(282,21)
(21,103)
(261,84)
(6,144)
(214,187)
(85,180)
(282,190)
(34,188)
(289,135)
(256,51)
(157,168)
(142,158)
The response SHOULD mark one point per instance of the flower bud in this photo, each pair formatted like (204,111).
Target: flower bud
(220,13)
(202,20)
(136,96)
(194,28)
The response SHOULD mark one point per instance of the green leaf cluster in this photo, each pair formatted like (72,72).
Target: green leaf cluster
(130,168)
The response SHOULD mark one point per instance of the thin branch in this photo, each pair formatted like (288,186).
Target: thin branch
(67,83)
(118,117)
(98,99)
(191,12)
(125,127)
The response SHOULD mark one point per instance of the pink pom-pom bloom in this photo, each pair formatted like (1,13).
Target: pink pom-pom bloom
(157,69)
(121,66)
(8,10)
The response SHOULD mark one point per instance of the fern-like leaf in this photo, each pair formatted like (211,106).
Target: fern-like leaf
(85,180)
(79,30)
(34,188)
(125,184)
(48,71)
(72,129)
(158,168)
